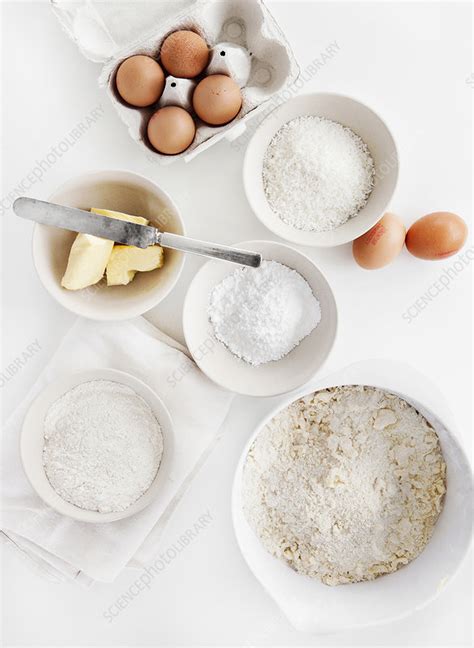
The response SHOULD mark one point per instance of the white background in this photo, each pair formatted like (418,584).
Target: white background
(411,62)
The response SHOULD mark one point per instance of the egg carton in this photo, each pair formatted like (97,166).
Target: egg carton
(110,31)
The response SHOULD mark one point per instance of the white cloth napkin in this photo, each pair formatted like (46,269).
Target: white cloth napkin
(65,548)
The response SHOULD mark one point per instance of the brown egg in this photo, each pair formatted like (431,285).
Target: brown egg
(171,130)
(140,81)
(217,99)
(381,244)
(184,54)
(436,236)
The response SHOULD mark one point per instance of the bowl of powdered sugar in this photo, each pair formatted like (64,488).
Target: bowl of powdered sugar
(261,331)
(321,170)
(96,445)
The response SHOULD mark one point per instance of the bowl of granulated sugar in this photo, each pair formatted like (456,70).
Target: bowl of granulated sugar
(321,170)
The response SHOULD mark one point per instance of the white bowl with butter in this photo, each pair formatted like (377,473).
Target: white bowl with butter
(120,191)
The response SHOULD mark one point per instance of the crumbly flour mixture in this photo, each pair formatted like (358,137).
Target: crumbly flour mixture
(317,173)
(261,314)
(103,446)
(345,485)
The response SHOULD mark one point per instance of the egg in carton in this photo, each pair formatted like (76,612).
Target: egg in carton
(113,31)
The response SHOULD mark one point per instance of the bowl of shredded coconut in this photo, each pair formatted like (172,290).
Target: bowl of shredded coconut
(96,445)
(261,331)
(321,170)
(351,503)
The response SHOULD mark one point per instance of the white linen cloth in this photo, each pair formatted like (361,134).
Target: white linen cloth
(65,548)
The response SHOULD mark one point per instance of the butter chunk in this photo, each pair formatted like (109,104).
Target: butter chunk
(89,254)
(126,260)
(87,260)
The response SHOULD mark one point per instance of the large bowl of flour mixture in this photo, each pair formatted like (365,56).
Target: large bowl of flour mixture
(352,502)
(321,170)
(97,445)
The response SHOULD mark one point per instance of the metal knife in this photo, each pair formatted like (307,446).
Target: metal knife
(142,236)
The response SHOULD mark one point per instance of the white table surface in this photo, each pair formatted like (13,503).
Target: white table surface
(411,62)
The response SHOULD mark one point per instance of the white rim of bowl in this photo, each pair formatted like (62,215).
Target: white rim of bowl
(289,237)
(151,303)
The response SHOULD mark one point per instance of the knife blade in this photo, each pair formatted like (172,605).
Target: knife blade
(119,231)
(78,220)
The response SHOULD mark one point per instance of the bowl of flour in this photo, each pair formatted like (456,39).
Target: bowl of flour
(321,170)
(352,502)
(261,331)
(96,445)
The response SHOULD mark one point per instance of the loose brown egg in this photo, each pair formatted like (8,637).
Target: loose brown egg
(171,130)
(381,244)
(217,99)
(140,81)
(184,54)
(436,236)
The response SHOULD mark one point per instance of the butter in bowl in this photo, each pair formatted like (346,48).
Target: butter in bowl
(101,280)
(92,257)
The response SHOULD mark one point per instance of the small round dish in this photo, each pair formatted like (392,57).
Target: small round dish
(365,123)
(272,378)
(121,191)
(32,442)
(313,607)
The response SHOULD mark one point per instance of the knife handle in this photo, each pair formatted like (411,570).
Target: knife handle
(213,250)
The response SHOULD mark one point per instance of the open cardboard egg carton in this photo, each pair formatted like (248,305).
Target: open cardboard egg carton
(110,32)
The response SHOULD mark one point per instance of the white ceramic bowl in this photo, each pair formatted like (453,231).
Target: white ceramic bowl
(120,191)
(313,607)
(365,123)
(32,442)
(272,378)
